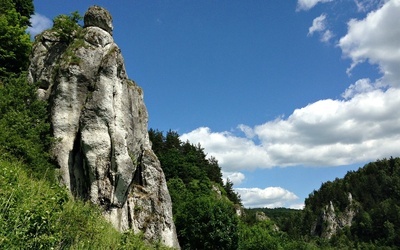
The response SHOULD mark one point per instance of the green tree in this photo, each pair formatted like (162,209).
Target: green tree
(67,26)
(260,236)
(208,223)
(24,130)
(182,159)
(25,8)
(230,192)
(15,44)
(214,170)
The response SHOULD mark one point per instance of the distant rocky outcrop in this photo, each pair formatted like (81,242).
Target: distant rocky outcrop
(99,120)
(260,216)
(331,221)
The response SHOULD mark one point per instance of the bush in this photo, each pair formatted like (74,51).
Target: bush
(206,223)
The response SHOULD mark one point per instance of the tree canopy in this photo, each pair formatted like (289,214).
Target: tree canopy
(15,44)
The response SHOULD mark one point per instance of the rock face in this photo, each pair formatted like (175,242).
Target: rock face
(99,120)
(330,222)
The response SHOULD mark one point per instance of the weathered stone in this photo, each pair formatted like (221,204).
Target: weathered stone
(260,216)
(100,122)
(330,222)
(98,17)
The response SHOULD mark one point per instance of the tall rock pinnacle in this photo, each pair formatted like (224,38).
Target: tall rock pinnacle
(99,121)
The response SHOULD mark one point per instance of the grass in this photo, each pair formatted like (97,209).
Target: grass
(37,214)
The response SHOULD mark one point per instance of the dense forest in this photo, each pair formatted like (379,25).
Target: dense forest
(36,213)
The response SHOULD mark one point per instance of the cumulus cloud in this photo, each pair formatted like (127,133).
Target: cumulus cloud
(325,133)
(246,130)
(327,36)
(232,152)
(319,25)
(235,177)
(361,86)
(309,4)
(39,23)
(270,197)
(375,39)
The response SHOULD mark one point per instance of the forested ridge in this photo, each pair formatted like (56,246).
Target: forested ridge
(375,194)
(36,213)
(375,199)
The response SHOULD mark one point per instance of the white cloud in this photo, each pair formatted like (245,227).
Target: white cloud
(327,36)
(375,39)
(361,86)
(270,197)
(233,153)
(309,4)
(235,177)
(324,133)
(366,5)
(39,24)
(297,206)
(320,25)
(246,130)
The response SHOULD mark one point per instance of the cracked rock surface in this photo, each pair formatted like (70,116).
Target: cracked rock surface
(99,120)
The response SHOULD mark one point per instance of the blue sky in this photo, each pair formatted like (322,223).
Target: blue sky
(285,94)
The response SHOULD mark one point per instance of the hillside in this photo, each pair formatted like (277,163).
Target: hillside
(371,195)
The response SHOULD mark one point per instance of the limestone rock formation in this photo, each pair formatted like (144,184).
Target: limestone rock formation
(99,120)
(330,222)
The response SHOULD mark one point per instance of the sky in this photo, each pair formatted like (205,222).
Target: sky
(285,95)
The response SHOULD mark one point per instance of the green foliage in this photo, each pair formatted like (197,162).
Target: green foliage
(67,27)
(15,44)
(25,8)
(29,209)
(287,220)
(203,218)
(266,235)
(24,130)
(258,236)
(231,194)
(182,159)
(204,215)
(375,190)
